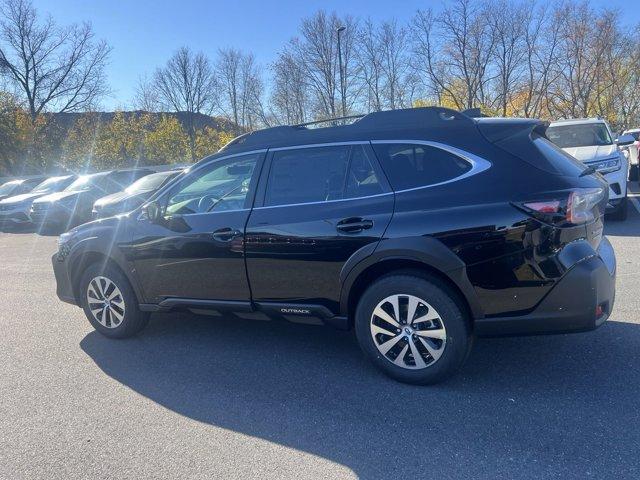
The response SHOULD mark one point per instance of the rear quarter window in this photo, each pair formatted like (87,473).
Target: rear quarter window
(410,165)
(561,160)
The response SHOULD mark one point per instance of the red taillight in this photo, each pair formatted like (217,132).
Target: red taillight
(552,206)
(575,207)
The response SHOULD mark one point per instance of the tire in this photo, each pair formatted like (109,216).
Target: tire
(439,358)
(122,318)
(633,172)
(621,212)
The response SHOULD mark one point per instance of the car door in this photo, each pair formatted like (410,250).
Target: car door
(195,251)
(316,207)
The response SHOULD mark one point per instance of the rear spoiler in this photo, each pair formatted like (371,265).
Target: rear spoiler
(498,129)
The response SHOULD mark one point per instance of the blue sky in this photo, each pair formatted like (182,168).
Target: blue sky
(144,33)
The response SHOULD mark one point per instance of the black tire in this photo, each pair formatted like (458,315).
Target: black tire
(621,212)
(435,293)
(633,172)
(133,320)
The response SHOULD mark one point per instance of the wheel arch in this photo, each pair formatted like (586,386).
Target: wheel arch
(423,255)
(79,263)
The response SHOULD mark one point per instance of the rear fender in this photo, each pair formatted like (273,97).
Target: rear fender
(425,250)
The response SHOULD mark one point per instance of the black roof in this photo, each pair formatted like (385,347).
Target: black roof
(377,124)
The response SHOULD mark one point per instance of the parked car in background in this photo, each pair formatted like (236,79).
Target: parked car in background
(73,205)
(134,195)
(17,187)
(420,228)
(16,210)
(633,153)
(590,140)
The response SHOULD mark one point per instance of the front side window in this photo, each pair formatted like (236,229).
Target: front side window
(580,135)
(415,165)
(150,182)
(220,186)
(319,174)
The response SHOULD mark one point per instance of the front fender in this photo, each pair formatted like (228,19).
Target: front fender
(102,239)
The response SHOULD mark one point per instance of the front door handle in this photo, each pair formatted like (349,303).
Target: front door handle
(226,234)
(354,225)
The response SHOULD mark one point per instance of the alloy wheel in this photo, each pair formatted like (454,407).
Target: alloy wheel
(408,331)
(105,302)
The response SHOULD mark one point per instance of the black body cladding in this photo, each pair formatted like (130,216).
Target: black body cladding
(509,268)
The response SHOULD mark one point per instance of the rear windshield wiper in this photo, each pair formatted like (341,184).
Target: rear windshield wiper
(588,171)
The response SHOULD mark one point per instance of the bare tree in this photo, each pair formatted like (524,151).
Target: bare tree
(318,51)
(369,58)
(394,46)
(541,43)
(187,84)
(238,76)
(55,68)
(507,20)
(580,56)
(146,96)
(289,96)
(457,47)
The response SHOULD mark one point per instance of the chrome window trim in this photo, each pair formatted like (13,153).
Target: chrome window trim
(317,145)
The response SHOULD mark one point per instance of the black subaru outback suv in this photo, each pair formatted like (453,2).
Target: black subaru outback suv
(419,228)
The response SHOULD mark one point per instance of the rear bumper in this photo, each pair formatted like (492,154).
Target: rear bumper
(571,306)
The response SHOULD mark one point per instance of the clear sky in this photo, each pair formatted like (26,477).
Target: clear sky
(144,33)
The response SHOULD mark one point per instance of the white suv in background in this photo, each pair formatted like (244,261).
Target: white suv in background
(590,141)
(634,153)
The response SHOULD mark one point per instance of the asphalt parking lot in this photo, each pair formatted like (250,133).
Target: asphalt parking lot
(206,397)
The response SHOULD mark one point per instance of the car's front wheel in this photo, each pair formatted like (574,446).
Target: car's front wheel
(109,302)
(413,328)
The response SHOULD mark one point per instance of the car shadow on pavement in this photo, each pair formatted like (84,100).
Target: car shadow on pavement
(534,407)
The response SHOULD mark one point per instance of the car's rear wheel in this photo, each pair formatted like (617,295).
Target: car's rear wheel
(413,328)
(109,302)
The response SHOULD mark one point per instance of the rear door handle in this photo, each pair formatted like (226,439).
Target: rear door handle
(354,225)
(225,234)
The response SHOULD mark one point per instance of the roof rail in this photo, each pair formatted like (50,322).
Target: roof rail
(329,120)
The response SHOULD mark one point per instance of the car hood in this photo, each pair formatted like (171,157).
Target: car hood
(104,224)
(592,153)
(25,197)
(54,197)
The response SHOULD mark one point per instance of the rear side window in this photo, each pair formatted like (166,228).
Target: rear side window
(320,174)
(555,154)
(414,165)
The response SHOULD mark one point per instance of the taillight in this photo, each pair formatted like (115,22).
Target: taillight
(582,203)
(574,208)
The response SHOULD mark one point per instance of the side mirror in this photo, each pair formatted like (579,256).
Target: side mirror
(626,139)
(153,212)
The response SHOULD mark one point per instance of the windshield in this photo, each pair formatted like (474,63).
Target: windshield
(581,135)
(150,182)
(83,183)
(8,187)
(50,185)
